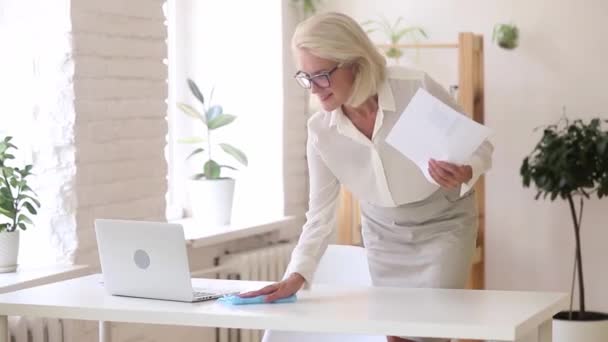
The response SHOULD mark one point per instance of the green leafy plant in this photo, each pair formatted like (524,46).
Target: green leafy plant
(213,118)
(506,36)
(17,199)
(570,160)
(306,7)
(395,32)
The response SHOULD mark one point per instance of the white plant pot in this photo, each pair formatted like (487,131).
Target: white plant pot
(9,250)
(565,330)
(211,201)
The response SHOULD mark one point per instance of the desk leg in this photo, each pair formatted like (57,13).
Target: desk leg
(4,337)
(545,331)
(104,332)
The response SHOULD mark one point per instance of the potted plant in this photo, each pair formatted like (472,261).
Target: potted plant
(506,36)
(395,32)
(211,194)
(17,201)
(571,161)
(306,7)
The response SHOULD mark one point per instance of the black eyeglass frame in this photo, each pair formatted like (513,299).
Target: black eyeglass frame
(305,80)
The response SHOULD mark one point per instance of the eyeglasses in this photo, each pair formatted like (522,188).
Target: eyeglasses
(321,80)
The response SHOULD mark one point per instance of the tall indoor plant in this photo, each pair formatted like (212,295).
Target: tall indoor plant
(571,161)
(17,202)
(211,195)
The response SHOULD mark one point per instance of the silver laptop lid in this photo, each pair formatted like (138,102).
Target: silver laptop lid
(144,259)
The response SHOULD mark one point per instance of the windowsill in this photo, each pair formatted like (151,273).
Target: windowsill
(30,276)
(198,236)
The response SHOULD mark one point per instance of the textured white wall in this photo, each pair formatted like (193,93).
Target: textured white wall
(560,61)
(120,89)
(120,131)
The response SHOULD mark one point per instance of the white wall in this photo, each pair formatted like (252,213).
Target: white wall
(560,61)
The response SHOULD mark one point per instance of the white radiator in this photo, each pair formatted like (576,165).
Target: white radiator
(264,264)
(35,329)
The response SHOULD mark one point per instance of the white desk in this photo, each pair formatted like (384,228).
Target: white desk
(491,315)
(29,276)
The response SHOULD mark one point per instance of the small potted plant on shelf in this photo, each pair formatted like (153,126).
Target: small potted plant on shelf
(306,8)
(394,33)
(17,202)
(211,194)
(571,162)
(506,36)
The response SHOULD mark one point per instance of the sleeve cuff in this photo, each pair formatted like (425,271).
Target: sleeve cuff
(306,272)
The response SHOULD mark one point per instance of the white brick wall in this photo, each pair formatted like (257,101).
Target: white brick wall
(295,170)
(120,128)
(120,87)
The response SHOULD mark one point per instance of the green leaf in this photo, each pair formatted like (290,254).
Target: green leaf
(23,196)
(23,218)
(198,176)
(601,146)
(195,152)
(213,112)
(409,30)
(6,193)
(211,94)
(191,112)
(22,226)
(30,208)
(4,227)
(6,213)
(195,91)
(191,140)
(235,153)
(221,120)
(212,170)
(228,167)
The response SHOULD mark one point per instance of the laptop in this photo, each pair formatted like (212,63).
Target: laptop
(147,260)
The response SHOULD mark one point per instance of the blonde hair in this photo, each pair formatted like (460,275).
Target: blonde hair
(338,37)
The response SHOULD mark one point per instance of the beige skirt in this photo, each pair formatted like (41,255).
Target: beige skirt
(428,244)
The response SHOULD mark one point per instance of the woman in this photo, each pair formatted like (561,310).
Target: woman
(416,233)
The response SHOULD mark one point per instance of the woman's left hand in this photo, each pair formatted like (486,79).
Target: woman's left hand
(449,175)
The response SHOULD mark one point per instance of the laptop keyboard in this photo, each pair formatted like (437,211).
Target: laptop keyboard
(204,294)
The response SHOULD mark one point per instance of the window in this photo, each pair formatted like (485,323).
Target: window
(234,47)
(34,78)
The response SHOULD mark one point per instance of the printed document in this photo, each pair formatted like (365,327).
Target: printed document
(428,128)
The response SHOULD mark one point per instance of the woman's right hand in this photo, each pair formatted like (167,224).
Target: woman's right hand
(282,289)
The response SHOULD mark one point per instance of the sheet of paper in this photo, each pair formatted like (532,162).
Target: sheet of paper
(430,129)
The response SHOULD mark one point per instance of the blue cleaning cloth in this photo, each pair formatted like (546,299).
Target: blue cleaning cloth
(236,300)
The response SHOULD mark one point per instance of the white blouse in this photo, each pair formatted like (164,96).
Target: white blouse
(375,172)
